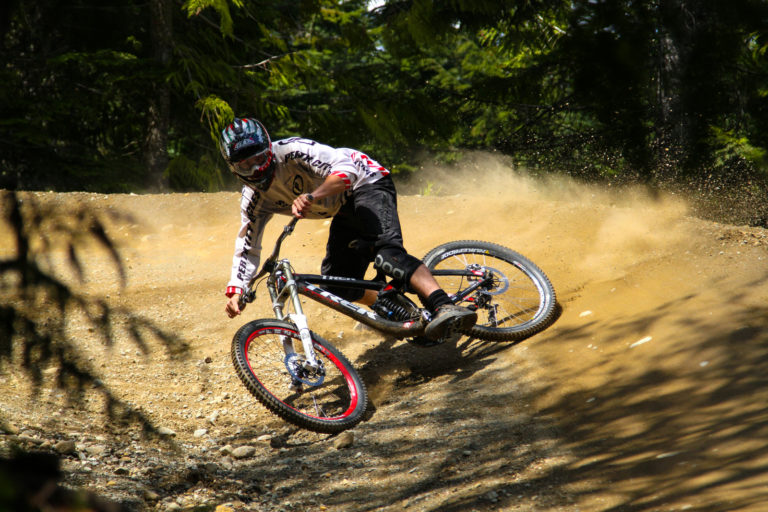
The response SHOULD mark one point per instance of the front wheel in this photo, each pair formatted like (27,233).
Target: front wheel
(512,296)
(268,358)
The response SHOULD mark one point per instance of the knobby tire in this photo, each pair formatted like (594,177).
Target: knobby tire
(337,404)
(521,301)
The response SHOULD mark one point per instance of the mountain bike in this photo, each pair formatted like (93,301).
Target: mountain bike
(305,380)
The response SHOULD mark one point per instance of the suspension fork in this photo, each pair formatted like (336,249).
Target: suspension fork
(290,292)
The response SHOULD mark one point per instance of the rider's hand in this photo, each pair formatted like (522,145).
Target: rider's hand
(233,306)
(301,205)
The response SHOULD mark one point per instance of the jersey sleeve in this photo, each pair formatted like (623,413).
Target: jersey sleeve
(247,245)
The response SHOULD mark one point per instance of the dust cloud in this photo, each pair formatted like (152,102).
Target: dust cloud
(601,227)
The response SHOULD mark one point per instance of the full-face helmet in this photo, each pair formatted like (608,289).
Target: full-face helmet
(247,149)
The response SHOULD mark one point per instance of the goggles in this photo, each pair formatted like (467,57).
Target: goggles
(252,164)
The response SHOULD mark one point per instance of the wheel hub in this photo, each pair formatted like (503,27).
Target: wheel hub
(302,372)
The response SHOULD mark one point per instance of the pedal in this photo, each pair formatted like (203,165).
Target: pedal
(454,320)
(452,334)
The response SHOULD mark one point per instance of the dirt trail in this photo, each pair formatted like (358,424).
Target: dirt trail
(647,394)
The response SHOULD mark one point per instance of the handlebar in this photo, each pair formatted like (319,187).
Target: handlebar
(269,263)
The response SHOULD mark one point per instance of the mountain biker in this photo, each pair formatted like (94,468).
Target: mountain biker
(304,178)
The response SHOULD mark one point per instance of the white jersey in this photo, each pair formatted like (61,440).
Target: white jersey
(302,165)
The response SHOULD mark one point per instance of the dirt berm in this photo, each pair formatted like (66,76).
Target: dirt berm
(649,393)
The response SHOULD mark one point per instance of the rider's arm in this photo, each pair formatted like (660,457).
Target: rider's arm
(353,167)
(333,185)
(247,249)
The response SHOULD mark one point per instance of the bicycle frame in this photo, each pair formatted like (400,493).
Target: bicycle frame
(285,286)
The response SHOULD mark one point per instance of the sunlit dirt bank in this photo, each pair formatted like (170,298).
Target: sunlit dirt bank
(648,393)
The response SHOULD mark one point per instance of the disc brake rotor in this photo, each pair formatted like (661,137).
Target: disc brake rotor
(500,281)
(294,363)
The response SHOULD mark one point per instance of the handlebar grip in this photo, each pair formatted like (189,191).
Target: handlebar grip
(246,298)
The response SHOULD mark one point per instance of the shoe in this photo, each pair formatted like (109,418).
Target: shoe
(449,320)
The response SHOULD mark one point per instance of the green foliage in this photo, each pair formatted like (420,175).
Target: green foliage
(185,174)
(731,146)
(194,7)
(216,113)
(430,189)
(595,89)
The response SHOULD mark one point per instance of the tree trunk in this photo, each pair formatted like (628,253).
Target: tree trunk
(676,28)
(667,98)
(156,143)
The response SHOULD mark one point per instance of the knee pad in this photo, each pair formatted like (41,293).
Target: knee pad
(397,264)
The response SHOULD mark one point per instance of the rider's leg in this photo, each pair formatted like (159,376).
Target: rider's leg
(446,315)
(423,282)
(376,210)
(342,260)
(370,215)
(369,219)
(368,298)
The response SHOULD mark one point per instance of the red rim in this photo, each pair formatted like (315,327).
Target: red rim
(327,353)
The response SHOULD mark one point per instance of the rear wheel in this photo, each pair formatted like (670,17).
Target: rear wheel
(512,296)
(268,358)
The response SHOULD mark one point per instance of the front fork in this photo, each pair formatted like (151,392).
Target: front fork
(289,292)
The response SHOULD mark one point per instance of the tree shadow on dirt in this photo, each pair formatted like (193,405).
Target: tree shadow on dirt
(689,430)
(422,364)
(500,444)
(38,302)
(484,436)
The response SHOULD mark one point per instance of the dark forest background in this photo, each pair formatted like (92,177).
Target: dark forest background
(123,95)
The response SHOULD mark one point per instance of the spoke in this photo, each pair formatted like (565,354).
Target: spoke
(511,297)
(461,258)
(318,409)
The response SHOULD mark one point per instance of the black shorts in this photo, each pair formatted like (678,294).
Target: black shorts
(369,215)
